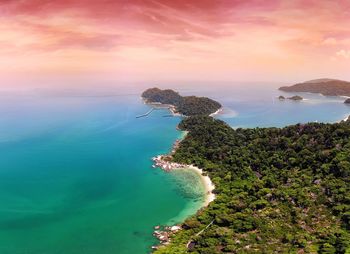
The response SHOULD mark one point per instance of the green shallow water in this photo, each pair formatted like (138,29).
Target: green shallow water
(76,176)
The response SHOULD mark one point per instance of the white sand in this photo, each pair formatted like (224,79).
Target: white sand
(208,185)
(345,119)
(216,112)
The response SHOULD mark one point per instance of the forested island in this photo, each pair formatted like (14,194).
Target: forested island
(184,105)
(293,98)
(278,190)
(328,87)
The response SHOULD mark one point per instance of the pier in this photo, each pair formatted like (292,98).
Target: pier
(146,114)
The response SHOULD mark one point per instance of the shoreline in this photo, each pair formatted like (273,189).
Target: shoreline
(168,165)
(345,119)
(165,163)
(207,183)
(172,108)
(216,112)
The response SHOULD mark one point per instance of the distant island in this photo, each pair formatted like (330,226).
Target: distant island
(278,190)
(327,87)
(184,105)
(294,98)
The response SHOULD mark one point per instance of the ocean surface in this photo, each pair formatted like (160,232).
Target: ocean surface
(75,168)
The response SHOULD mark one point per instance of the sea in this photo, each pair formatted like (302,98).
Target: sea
(76,174)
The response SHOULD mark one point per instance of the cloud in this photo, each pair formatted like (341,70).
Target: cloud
(330,41)
(343,53)
(197,36)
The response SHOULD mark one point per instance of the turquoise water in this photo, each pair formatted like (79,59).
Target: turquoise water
(251,106)
(76,175)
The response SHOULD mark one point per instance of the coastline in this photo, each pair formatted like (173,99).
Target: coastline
(170,107)
(208,185)
(217,112)
(168,165)
(164,162)
(345,119)
(164,233)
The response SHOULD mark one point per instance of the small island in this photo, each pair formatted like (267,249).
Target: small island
(296,98)
(347,101)
(281,98)
(327,87)
(184,105)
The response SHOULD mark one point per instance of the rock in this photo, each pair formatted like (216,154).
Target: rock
(317,181)
(347,101)
(175,228)
(162,237)
(296,98)
(281,98)
(157,227)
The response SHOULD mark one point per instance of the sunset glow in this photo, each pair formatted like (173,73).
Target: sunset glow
(167,39)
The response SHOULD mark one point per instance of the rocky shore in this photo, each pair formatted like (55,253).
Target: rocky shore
(164,162)
(163,234)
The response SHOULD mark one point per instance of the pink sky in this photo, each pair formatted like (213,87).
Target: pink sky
(176,39)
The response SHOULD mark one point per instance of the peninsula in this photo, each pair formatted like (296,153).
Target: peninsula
(327,87)
(184,105)
(282,190)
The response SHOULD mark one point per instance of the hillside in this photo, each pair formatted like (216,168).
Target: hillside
(278,190)
(330,87)
(185,105)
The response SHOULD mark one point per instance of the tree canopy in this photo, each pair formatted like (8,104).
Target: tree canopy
(278,190)
(185,105)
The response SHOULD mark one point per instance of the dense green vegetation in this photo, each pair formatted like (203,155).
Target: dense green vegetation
(156,95)
(185,105)
(278,190)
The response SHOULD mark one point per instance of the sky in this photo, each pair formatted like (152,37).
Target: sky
(217,40)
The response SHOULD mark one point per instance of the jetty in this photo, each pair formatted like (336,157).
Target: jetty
(146,114)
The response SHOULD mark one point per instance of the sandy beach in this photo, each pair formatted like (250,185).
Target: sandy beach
(168,166)
(216,112)
(208,185)
(161,162)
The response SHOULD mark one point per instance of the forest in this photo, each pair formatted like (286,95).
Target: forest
(278,190)
(185,105)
